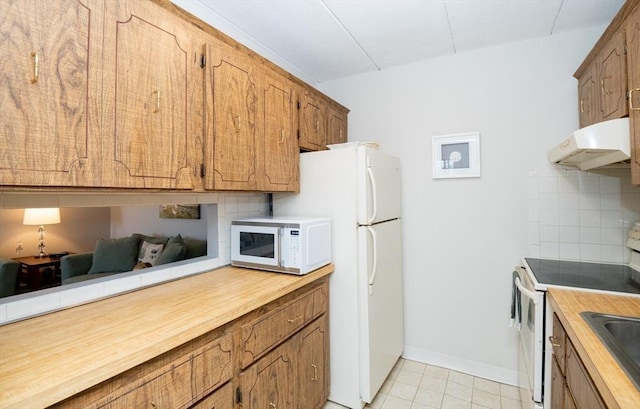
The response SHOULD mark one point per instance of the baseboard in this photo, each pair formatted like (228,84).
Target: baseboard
(482,370)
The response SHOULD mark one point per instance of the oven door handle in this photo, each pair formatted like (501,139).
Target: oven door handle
(528,293)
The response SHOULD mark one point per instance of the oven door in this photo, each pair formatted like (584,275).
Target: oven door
(530,340)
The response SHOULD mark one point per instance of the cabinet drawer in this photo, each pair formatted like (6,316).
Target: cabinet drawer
(579,382)
(262,334)
(558,343)
(173,380)
(171,389)
(220,399)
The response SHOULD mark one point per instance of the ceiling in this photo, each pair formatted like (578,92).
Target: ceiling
(321,40)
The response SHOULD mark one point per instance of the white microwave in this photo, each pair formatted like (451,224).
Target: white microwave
(288,245)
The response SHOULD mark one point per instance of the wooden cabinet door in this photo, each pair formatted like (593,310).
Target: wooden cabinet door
(584,392)
(632,30)
(312,122)
(49,99)
(278,151)
(588,97)
(220,399)
(232,106)
(337,126)
(153,98)
(269,383)
(613,79)
(557,385)
(312,368)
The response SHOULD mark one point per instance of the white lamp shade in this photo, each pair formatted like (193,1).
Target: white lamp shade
(41,216)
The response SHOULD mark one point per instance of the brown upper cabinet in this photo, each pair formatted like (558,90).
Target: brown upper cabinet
(609,79)
(249,141)
(321,121)
(140,94)
(152,96)
(632,29)
(602,85)
(337,124)
(49,92)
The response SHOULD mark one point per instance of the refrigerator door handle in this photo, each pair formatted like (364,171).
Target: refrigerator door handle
(374,196)
(374,269)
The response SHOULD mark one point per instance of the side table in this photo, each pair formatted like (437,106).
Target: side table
(34,270)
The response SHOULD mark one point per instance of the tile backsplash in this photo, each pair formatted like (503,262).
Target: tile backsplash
(585,216)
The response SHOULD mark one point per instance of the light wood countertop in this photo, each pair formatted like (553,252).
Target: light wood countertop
(614,385)
(46,359)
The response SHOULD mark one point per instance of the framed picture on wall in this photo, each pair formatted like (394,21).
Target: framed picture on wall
(180,211)
(456,155)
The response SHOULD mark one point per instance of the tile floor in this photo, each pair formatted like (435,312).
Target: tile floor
(414,385)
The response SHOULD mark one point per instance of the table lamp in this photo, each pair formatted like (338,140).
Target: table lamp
(42,216)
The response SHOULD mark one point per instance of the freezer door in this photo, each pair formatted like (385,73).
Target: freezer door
(378,186)
(380,303)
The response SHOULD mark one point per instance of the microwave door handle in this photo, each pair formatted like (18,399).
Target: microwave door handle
(280,234)
(526,292)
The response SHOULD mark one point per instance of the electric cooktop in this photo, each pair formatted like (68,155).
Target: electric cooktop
(596,276)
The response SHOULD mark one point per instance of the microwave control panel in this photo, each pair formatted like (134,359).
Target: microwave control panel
(293,236)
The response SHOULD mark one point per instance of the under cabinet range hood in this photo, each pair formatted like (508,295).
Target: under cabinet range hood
(604,144)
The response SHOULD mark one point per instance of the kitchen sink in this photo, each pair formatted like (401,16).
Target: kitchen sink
(621,335)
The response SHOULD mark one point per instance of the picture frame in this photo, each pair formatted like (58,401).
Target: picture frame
(176,211)
(456,155)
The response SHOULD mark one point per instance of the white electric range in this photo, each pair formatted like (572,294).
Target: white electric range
(533,318)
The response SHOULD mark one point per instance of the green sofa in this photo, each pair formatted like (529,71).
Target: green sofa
(124,254)
(8,275)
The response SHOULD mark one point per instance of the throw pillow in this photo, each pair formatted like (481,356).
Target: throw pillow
(149,252)
(175,251)
(114,255)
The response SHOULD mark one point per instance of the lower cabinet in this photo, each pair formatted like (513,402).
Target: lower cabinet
(275,357)
(571,387)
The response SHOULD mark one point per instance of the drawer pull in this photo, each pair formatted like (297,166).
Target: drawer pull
(36,66)
(631,107)
(291,321)
(315,372)
(272,405)
(157,94)
(153,405)
(554,342)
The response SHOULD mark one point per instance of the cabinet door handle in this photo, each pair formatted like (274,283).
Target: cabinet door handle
(631,107)
(341,134)
(157,94)
(282,138)
(554,342)
(581,105)
(315,372)
(317,125)
(272,405)
(291,321)
(36,67)
(604,91)
(236,123)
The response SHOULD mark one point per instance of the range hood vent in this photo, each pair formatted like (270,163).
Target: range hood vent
(604,144)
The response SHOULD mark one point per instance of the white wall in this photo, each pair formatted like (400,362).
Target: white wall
(462,237)
(71,234)
(146,220)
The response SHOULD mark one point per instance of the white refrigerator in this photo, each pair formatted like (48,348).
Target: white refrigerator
(358,187)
